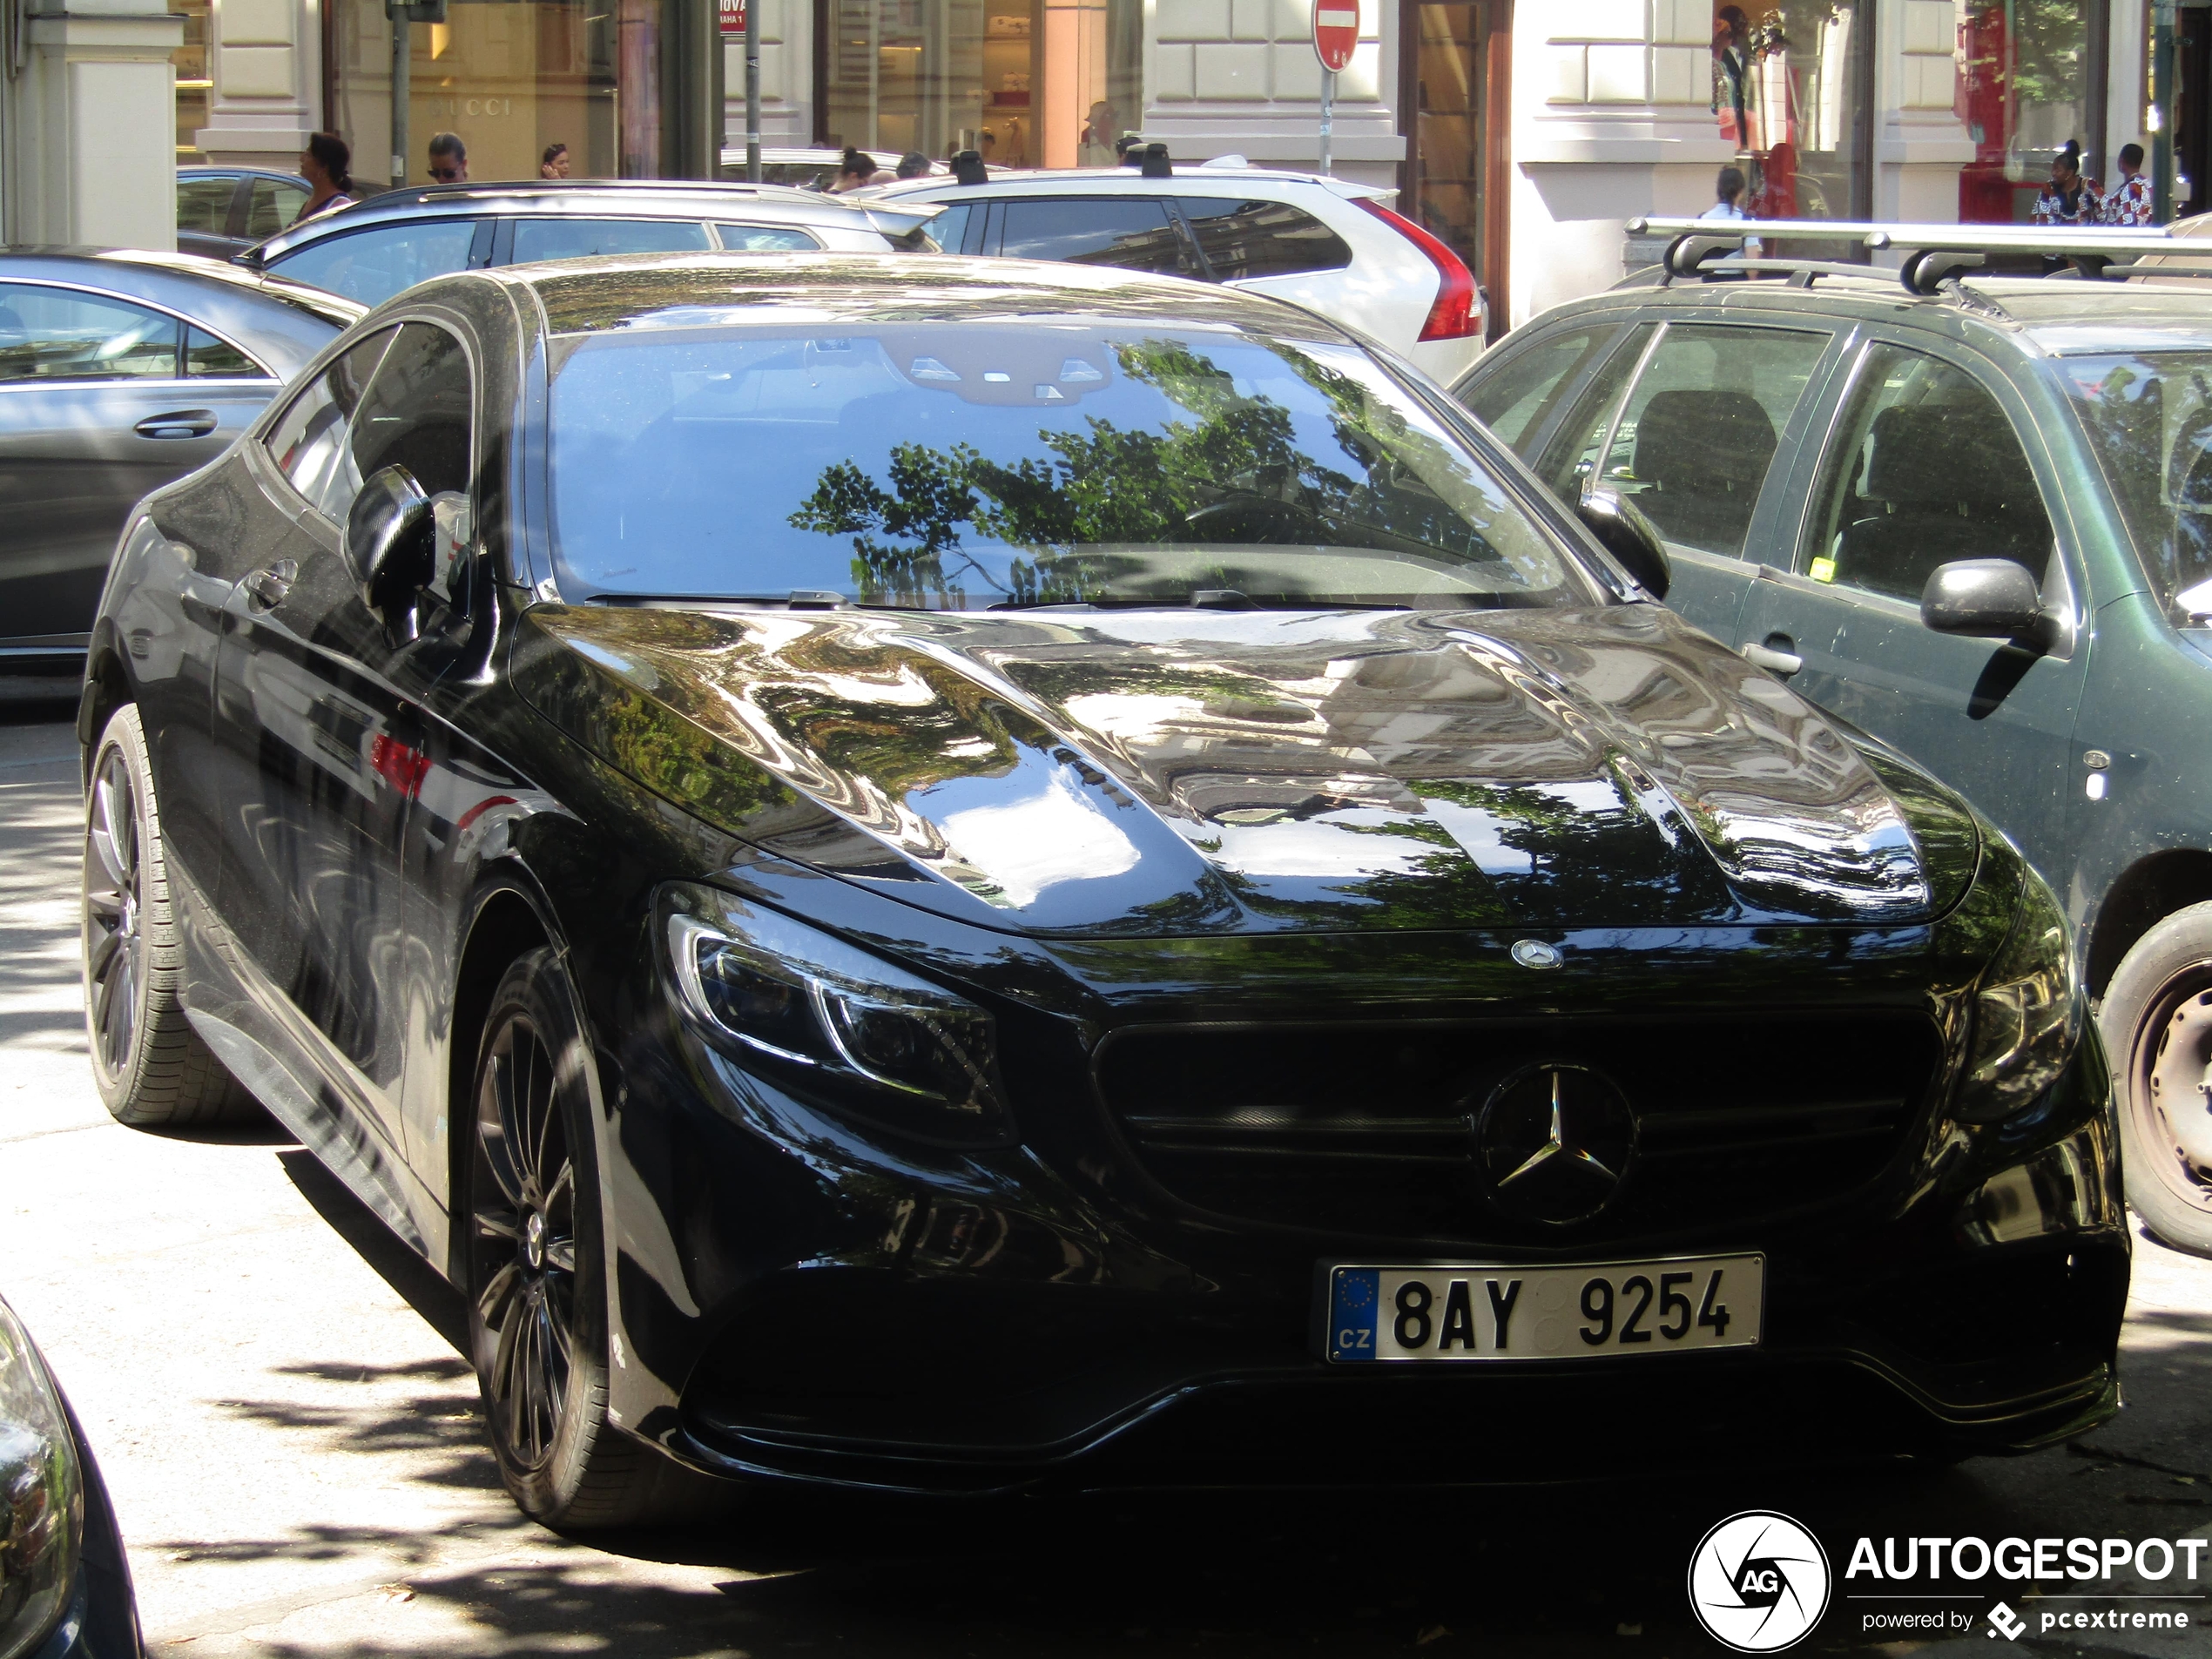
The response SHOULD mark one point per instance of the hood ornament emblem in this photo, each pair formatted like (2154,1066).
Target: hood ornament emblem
(1534,953)
(1554,1143)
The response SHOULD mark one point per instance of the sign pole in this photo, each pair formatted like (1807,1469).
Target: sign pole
(1328,115)
(402,66)
(752,91)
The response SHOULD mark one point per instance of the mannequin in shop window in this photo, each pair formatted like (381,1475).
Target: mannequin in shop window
(1732,72)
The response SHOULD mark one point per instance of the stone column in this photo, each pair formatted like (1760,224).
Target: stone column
(266,59)
(1919,143)
(1239,77)
(93,158)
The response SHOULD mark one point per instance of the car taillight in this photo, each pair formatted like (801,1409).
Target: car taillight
(1454,314)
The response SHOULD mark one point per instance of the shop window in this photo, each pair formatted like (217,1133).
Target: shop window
(2023,91)
(194,85)
(1262,239)
(1027,82)
(1792,90)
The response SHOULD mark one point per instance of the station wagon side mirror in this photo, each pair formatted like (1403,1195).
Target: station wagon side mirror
(1632,539)
(1984,599)
(389,532)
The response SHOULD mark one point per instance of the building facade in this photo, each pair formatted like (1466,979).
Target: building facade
(1524,135)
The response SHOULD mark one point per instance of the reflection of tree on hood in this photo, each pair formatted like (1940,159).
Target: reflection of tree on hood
(1226,476)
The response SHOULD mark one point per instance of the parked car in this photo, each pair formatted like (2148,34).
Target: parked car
(222,211)
(807,169)
(1326,244)
(118,372)
(379,247)
(1973,525)
(946,874)
(64,1580)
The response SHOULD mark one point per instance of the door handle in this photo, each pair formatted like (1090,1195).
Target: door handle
(178,423)
(1776,655)
(270,585)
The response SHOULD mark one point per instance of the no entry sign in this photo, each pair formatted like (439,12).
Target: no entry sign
(1336,31)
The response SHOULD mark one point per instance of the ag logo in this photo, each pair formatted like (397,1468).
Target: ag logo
(1759,1582)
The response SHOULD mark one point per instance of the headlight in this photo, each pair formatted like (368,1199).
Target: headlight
(845,1029)
(41,1496)
(2028,1015)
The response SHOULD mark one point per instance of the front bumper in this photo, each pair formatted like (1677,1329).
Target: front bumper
(800,1300)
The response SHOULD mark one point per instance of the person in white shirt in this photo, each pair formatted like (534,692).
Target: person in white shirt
(1729,189)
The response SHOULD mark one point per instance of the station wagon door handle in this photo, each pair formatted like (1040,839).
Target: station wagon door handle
(182,423)
(269,586)
(1773,658)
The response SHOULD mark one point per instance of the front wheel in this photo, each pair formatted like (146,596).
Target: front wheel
(537,1317)
(2156,1019)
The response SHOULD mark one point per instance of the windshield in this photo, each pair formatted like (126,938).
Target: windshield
(2150,414)
(965,465)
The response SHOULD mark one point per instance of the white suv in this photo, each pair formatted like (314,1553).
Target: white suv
(1326,244)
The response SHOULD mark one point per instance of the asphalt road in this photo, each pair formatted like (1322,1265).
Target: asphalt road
(273,1387)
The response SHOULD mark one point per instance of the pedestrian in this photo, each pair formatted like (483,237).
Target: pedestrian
(325,165)
(1728,188)
(853,173)
(913,165)
(1129,149)
(2130,201)
(448,158)
(554,164)
(2068,199)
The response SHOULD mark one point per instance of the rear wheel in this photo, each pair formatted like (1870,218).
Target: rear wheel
(538,1318)
(2156,1019)
(150,1065)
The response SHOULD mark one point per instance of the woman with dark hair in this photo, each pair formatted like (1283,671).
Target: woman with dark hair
(325,165)
(2068,199)
(854,172)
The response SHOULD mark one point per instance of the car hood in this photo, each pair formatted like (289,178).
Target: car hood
(1189,771)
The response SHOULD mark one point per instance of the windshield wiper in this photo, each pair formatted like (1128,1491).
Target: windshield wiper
(1203,599)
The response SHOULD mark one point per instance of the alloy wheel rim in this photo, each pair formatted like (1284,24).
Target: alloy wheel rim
(114,914)
(2174,1076)
(524,1233)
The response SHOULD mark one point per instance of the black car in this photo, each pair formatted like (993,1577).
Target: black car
(118,372)
(946,874)
(222,211)
(374,249)
(1974,522)
(64,1580)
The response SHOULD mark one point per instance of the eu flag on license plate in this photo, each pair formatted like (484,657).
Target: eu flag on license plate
(1353,1292)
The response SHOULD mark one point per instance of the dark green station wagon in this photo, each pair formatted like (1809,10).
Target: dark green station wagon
(1976,524)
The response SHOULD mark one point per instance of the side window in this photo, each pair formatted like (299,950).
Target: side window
(309,441)
(1262,239)
(204,203)
(61,334)
(272,205)
(1131,231)
(419,412)
(1571,455)
(372,265)
(759,238)
(1514,399)
(208,358)
(579,239)
(949,229)
(1923,468)
(1702,425)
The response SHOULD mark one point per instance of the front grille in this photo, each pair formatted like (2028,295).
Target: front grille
(1368,1129)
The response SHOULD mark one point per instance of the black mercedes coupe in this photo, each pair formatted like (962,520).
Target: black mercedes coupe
(955,875)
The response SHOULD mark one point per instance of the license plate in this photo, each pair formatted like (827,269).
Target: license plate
(1499,1312)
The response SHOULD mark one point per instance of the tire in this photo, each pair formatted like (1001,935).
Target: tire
(2156,1019)
(538,1294)
(150,1065)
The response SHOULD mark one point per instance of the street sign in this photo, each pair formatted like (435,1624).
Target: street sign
(1336,32)
(733,17)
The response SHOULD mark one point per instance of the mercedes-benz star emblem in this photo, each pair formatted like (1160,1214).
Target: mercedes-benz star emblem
(1554,1143)
(1534,953)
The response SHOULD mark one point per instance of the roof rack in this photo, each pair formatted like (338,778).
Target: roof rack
(1935,255)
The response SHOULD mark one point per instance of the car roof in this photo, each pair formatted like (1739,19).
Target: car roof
(632,197)
(2041,316)
(281,323)
(581,296)
(1191,179)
